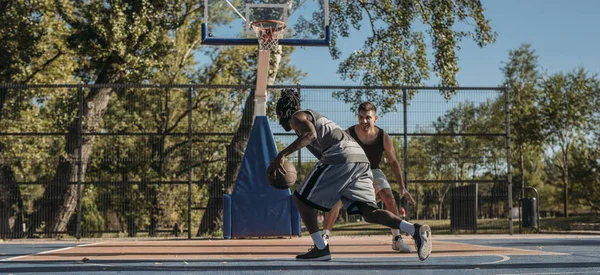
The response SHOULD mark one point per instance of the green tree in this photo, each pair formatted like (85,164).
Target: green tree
(32,52)
(469,156)
(585,175)
(458,153)
(521,77)
(567,108)
(32,45)
(113,42)
(164,112)
(395,52)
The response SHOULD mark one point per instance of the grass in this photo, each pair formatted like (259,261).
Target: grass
(484,226)
(564,224)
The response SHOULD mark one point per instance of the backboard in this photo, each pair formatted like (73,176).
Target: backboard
(227,22)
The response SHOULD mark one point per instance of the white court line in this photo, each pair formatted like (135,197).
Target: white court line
(511,248)
(46,252)
(105,265)
(553,273)
(504,259)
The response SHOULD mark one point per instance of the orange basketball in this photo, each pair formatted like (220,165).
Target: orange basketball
(282,181)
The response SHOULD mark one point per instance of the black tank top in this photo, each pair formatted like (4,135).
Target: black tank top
(374,150)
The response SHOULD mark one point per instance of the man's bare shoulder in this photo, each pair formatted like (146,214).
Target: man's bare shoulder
(301,120)
(302,115)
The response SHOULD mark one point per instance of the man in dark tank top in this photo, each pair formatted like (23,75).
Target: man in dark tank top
(375,142)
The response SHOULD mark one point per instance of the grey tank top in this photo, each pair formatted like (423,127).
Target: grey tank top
(333,145)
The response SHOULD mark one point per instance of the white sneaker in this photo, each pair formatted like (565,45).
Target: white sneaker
(325,239)
(399,245)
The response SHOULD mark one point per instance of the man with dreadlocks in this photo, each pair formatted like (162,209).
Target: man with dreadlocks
(342,173)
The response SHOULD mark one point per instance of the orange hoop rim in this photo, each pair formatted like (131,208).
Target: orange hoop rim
(280,25)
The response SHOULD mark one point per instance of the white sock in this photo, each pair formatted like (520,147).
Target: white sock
(395,232)
(318,240)
(327,232)
(407,227)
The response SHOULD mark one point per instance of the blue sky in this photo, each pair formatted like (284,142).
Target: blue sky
(565,35)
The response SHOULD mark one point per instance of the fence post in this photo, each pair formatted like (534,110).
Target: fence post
(79,159)
(508,163)
(299,151)
(405,148)
(189,195)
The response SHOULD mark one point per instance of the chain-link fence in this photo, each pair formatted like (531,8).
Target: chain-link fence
(155,160)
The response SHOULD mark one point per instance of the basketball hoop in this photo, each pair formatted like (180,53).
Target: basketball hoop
(268,33)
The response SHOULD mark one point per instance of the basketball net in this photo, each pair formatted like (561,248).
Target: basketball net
(268,33)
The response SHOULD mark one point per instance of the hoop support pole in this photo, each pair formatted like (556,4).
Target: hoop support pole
(260,99)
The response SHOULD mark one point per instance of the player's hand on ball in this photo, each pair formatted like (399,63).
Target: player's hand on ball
(279,161)
(281,174)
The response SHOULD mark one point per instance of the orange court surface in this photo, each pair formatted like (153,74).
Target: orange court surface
(547,254)
(267,248)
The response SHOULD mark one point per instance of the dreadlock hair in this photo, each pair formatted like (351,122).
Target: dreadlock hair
(287,105)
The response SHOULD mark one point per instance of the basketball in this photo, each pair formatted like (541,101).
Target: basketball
(282,181)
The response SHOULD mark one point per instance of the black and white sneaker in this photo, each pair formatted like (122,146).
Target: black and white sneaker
(423,240)
(315,254)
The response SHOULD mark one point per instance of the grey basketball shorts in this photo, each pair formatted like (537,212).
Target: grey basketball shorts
(326,184)
(380,182)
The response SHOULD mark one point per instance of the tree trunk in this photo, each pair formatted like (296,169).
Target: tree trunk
(10,196)
(235,151)
(7,185)
(522,168)
(441,199)
(440,204)
(565,179)
(60,198)
(3,96)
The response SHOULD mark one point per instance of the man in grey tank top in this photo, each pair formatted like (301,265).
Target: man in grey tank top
(342,173)
(375,143)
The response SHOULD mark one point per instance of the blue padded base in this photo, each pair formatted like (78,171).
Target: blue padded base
(257,209)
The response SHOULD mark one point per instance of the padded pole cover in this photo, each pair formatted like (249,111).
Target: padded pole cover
(259,210)
(227,216)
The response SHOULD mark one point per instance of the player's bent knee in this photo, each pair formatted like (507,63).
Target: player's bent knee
(367,211)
